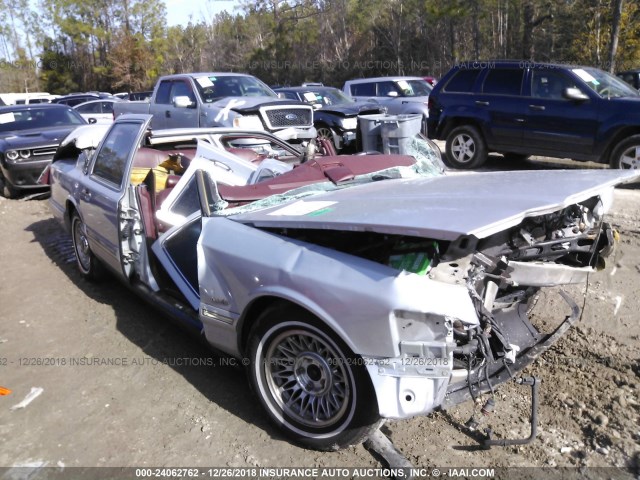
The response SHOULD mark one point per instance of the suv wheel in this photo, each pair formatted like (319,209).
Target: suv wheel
(626,155)
(465,148)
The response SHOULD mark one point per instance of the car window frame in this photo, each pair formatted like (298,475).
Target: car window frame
(127,161)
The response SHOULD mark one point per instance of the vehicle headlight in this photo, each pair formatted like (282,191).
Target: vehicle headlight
(12,155)
(248,121)
(25,153)
(350,123)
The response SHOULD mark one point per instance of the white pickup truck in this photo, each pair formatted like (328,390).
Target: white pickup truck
(223,100)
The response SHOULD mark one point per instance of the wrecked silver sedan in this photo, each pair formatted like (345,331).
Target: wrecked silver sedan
(357,288)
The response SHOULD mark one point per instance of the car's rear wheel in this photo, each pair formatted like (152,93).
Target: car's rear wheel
(89,266)
(311,385)
(626,155)
(465,148)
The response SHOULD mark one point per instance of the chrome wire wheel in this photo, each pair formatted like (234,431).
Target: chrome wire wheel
(307,378)
(311,384)
(81,245)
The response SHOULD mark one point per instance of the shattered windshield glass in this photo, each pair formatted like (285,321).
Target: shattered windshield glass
(428,164)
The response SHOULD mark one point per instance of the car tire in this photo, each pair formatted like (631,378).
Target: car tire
(89,266)
(516,157)
(310,383)
(465,148)
(626,155)
(6,190)
(326,132)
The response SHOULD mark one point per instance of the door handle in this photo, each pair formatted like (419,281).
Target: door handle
(536,107)
(167,113)
(482,103)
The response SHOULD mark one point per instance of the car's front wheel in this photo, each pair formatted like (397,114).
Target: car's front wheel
(465,148)
(311,385)
(626,155)
(89,266)
(325,132)
(6,190)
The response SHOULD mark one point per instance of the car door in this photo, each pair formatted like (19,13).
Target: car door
(554,124)
(177,117)
(102,195)
(502,105)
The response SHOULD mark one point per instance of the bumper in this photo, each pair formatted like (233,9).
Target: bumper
(292,133)
(536,345)
(410,386)
(23,176)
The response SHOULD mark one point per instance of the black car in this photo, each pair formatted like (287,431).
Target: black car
(632,77)
(29,136)
(522,108)
(336,115)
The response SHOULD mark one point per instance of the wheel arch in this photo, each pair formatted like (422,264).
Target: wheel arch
(255,308)
(620,136)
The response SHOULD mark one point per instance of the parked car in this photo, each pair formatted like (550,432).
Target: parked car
(336,115)
(525,108)
(29,137)
(632,77)
(431,80)
(222,100)
(78,98)
(399,95)
(97,111)
(435,270)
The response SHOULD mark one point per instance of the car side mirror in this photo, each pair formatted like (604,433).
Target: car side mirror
(576,94)
(182,101)
(93,120)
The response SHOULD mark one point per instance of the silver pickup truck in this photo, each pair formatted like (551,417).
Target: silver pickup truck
(223,100)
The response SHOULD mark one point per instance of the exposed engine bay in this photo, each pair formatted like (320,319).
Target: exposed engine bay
(502,273)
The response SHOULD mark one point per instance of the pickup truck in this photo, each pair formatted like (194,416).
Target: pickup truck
(355,287)
(223,100)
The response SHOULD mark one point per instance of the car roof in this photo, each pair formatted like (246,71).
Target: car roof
(305,89)
(31,106)
(207,74)
(381,79)
(114,100)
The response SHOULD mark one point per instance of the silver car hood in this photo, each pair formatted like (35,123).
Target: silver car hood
(443,207)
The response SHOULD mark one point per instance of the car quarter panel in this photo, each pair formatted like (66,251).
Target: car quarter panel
(356,298)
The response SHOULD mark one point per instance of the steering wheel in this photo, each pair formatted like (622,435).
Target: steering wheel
(605,92)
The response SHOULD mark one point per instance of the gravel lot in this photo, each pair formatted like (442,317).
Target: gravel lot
(122,386)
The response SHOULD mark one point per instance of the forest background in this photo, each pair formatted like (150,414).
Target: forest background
(62,46)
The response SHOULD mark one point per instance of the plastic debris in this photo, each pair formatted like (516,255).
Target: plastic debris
(31,396)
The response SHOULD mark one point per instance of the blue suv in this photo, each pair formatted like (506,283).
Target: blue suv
(522,108)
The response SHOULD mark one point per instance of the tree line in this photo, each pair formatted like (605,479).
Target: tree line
(62,46)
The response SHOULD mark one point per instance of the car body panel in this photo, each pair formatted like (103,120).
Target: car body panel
(445,207)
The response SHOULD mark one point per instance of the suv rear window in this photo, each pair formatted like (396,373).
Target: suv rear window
(503,81)
(462,81)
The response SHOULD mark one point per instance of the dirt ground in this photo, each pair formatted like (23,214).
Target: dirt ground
(122,386)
